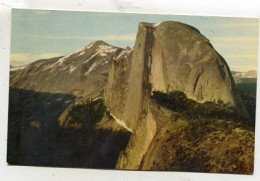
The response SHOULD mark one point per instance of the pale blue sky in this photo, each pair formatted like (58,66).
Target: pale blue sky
(44,34)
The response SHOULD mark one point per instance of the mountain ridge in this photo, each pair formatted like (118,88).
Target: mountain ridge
(81,66)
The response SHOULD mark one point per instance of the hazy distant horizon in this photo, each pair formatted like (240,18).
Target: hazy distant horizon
(86,45)
(40,34)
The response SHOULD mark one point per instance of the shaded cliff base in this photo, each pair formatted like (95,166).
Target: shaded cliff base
(85,134)
(35,137)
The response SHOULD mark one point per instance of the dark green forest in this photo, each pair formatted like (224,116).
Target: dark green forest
(248,94)
(87,113)
(178,102)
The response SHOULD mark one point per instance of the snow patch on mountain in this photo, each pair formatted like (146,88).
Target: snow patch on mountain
(124,53)
(20,67)
(82,53)
(91,57)
(90,45)
(121,123)
(66,57)
(248,74)
(72,69)
(156,24)
(102,54)
(103,51)
(104,62)
(107,49)
(91,68)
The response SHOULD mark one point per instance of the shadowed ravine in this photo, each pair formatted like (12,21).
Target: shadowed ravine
(35,138)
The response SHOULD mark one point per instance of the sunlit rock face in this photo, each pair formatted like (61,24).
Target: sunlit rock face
(183,59)
(169,56)
(82,72)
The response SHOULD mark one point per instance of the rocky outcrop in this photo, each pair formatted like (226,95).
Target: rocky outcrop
(132,106)
(169,56)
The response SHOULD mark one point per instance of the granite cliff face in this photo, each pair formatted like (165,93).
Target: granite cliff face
(185,60)
(167,57)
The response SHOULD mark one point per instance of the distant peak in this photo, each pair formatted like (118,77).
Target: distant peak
(247,74)
(253,71)
(97,43)
(19,67)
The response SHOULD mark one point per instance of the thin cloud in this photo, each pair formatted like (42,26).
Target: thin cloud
(251,56)
(121,37)
(239,25)
(243,68)
(25,58)
(125,37)
(235,38)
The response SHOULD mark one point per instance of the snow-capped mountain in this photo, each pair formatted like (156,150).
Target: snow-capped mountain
(248,74)
(81,72)
(245,77)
